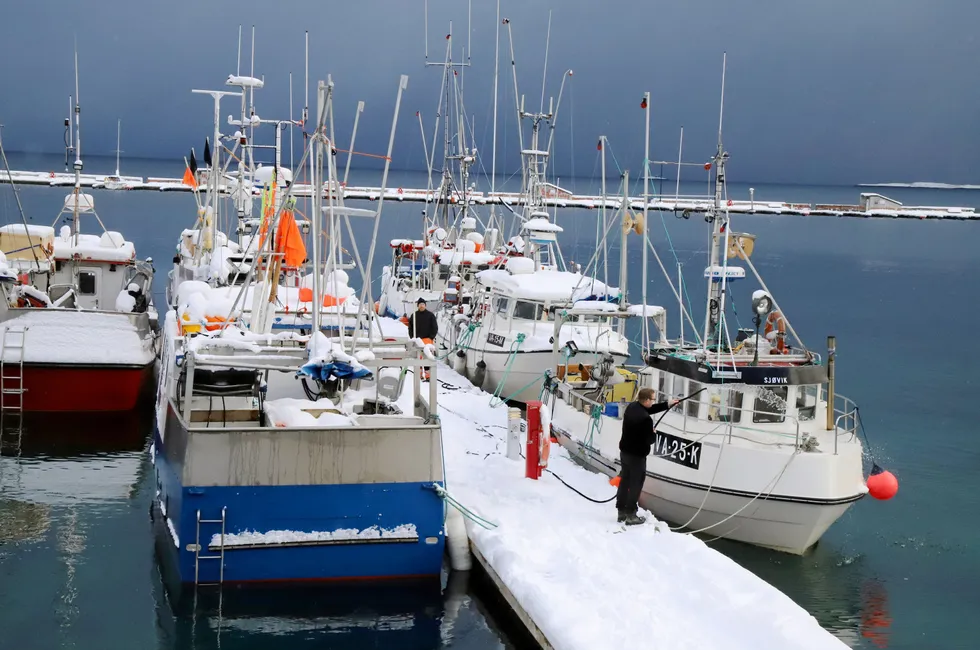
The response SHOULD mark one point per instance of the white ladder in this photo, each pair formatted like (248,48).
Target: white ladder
(12,343)
(198,548)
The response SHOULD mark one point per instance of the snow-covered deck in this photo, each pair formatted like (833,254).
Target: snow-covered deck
(62,336)
(584,581)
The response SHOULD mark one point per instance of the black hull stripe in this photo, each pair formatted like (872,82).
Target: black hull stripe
(595,457)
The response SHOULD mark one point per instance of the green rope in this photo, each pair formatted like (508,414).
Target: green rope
(463,342)
(469,514)
(514,348)
(595,424)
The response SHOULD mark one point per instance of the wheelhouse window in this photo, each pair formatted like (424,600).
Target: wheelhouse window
(528,310)
(725,406)
(500,305)
(770,404)
(663,387)
(693,404)
(806,402)
(86,283)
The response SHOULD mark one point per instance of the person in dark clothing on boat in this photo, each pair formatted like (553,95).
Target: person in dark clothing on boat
(634,447)
(423,325)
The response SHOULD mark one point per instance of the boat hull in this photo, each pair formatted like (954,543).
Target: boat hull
(409,514)
(73,388)
(789,525)
(523,381)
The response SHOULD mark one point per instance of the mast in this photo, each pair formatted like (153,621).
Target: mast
(118,143)
(493,161)
(78,163)
(645,105)
(719,222)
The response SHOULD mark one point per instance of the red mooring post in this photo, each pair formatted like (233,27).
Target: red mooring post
(532,447)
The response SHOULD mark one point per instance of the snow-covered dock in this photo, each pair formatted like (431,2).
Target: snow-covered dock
(870,205)
(580,580)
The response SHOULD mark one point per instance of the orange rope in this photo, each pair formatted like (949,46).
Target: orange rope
(369,155)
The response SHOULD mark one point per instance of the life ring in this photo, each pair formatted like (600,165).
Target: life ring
(50,174)
(775,321)
(401,191)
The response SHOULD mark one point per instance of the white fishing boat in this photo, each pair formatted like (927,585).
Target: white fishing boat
(761,449)
(77,320)
(502,336)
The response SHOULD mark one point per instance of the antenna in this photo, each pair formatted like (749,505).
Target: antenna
(544,73)
(721,109)
(238,68)
(426,18)
(291,120)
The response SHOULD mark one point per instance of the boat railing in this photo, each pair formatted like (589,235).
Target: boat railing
(573,394)
(847,417)
(290,356)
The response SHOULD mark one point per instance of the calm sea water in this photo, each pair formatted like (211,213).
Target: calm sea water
(76,557)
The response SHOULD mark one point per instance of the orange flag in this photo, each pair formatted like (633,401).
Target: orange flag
(289,241)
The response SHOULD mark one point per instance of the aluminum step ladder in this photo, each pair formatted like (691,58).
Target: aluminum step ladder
(198,548)
(12,344)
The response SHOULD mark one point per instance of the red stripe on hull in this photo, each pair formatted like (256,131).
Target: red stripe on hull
(52,388)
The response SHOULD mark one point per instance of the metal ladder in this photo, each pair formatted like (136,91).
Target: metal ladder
(12,343)
(198,548)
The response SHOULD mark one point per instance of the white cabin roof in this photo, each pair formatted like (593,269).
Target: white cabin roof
(541,224)
(545,285)
(111,246)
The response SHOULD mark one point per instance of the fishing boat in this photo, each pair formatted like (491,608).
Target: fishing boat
(77,320)
(761,448)
(502,335)
(288,456)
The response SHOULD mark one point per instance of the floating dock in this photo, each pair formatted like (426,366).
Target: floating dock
(575,577)
(870,205)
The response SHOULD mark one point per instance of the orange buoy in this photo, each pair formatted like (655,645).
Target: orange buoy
(882,484)
(614,481)
(305,294)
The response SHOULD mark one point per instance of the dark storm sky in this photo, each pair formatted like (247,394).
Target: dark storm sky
(829,91)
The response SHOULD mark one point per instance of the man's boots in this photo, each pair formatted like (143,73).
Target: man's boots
(633,519)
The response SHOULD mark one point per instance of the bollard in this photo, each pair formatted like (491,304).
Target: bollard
(532,447)
(516,428)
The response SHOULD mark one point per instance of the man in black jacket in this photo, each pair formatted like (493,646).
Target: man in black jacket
(634,447)
(423,325)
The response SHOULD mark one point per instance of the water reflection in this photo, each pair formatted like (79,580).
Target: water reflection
(410,615)
(835,586)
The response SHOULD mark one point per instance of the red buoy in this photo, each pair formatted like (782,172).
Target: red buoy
(882,484)
(614,481)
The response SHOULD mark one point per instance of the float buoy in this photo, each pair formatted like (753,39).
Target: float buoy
(882,484)
(614,481)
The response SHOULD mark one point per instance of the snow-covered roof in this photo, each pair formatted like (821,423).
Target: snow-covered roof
(552,286)
(35,231)
(541,225)
(111,246)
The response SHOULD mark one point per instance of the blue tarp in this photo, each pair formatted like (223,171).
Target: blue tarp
(333,370)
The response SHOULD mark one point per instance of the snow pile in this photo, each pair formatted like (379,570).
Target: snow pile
(553,286)
(75,337)
(327,359)
(111,246)
(289,412)
(645,588)
(406,532)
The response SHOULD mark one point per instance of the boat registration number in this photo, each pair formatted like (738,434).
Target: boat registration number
(496,339)
(677,450)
